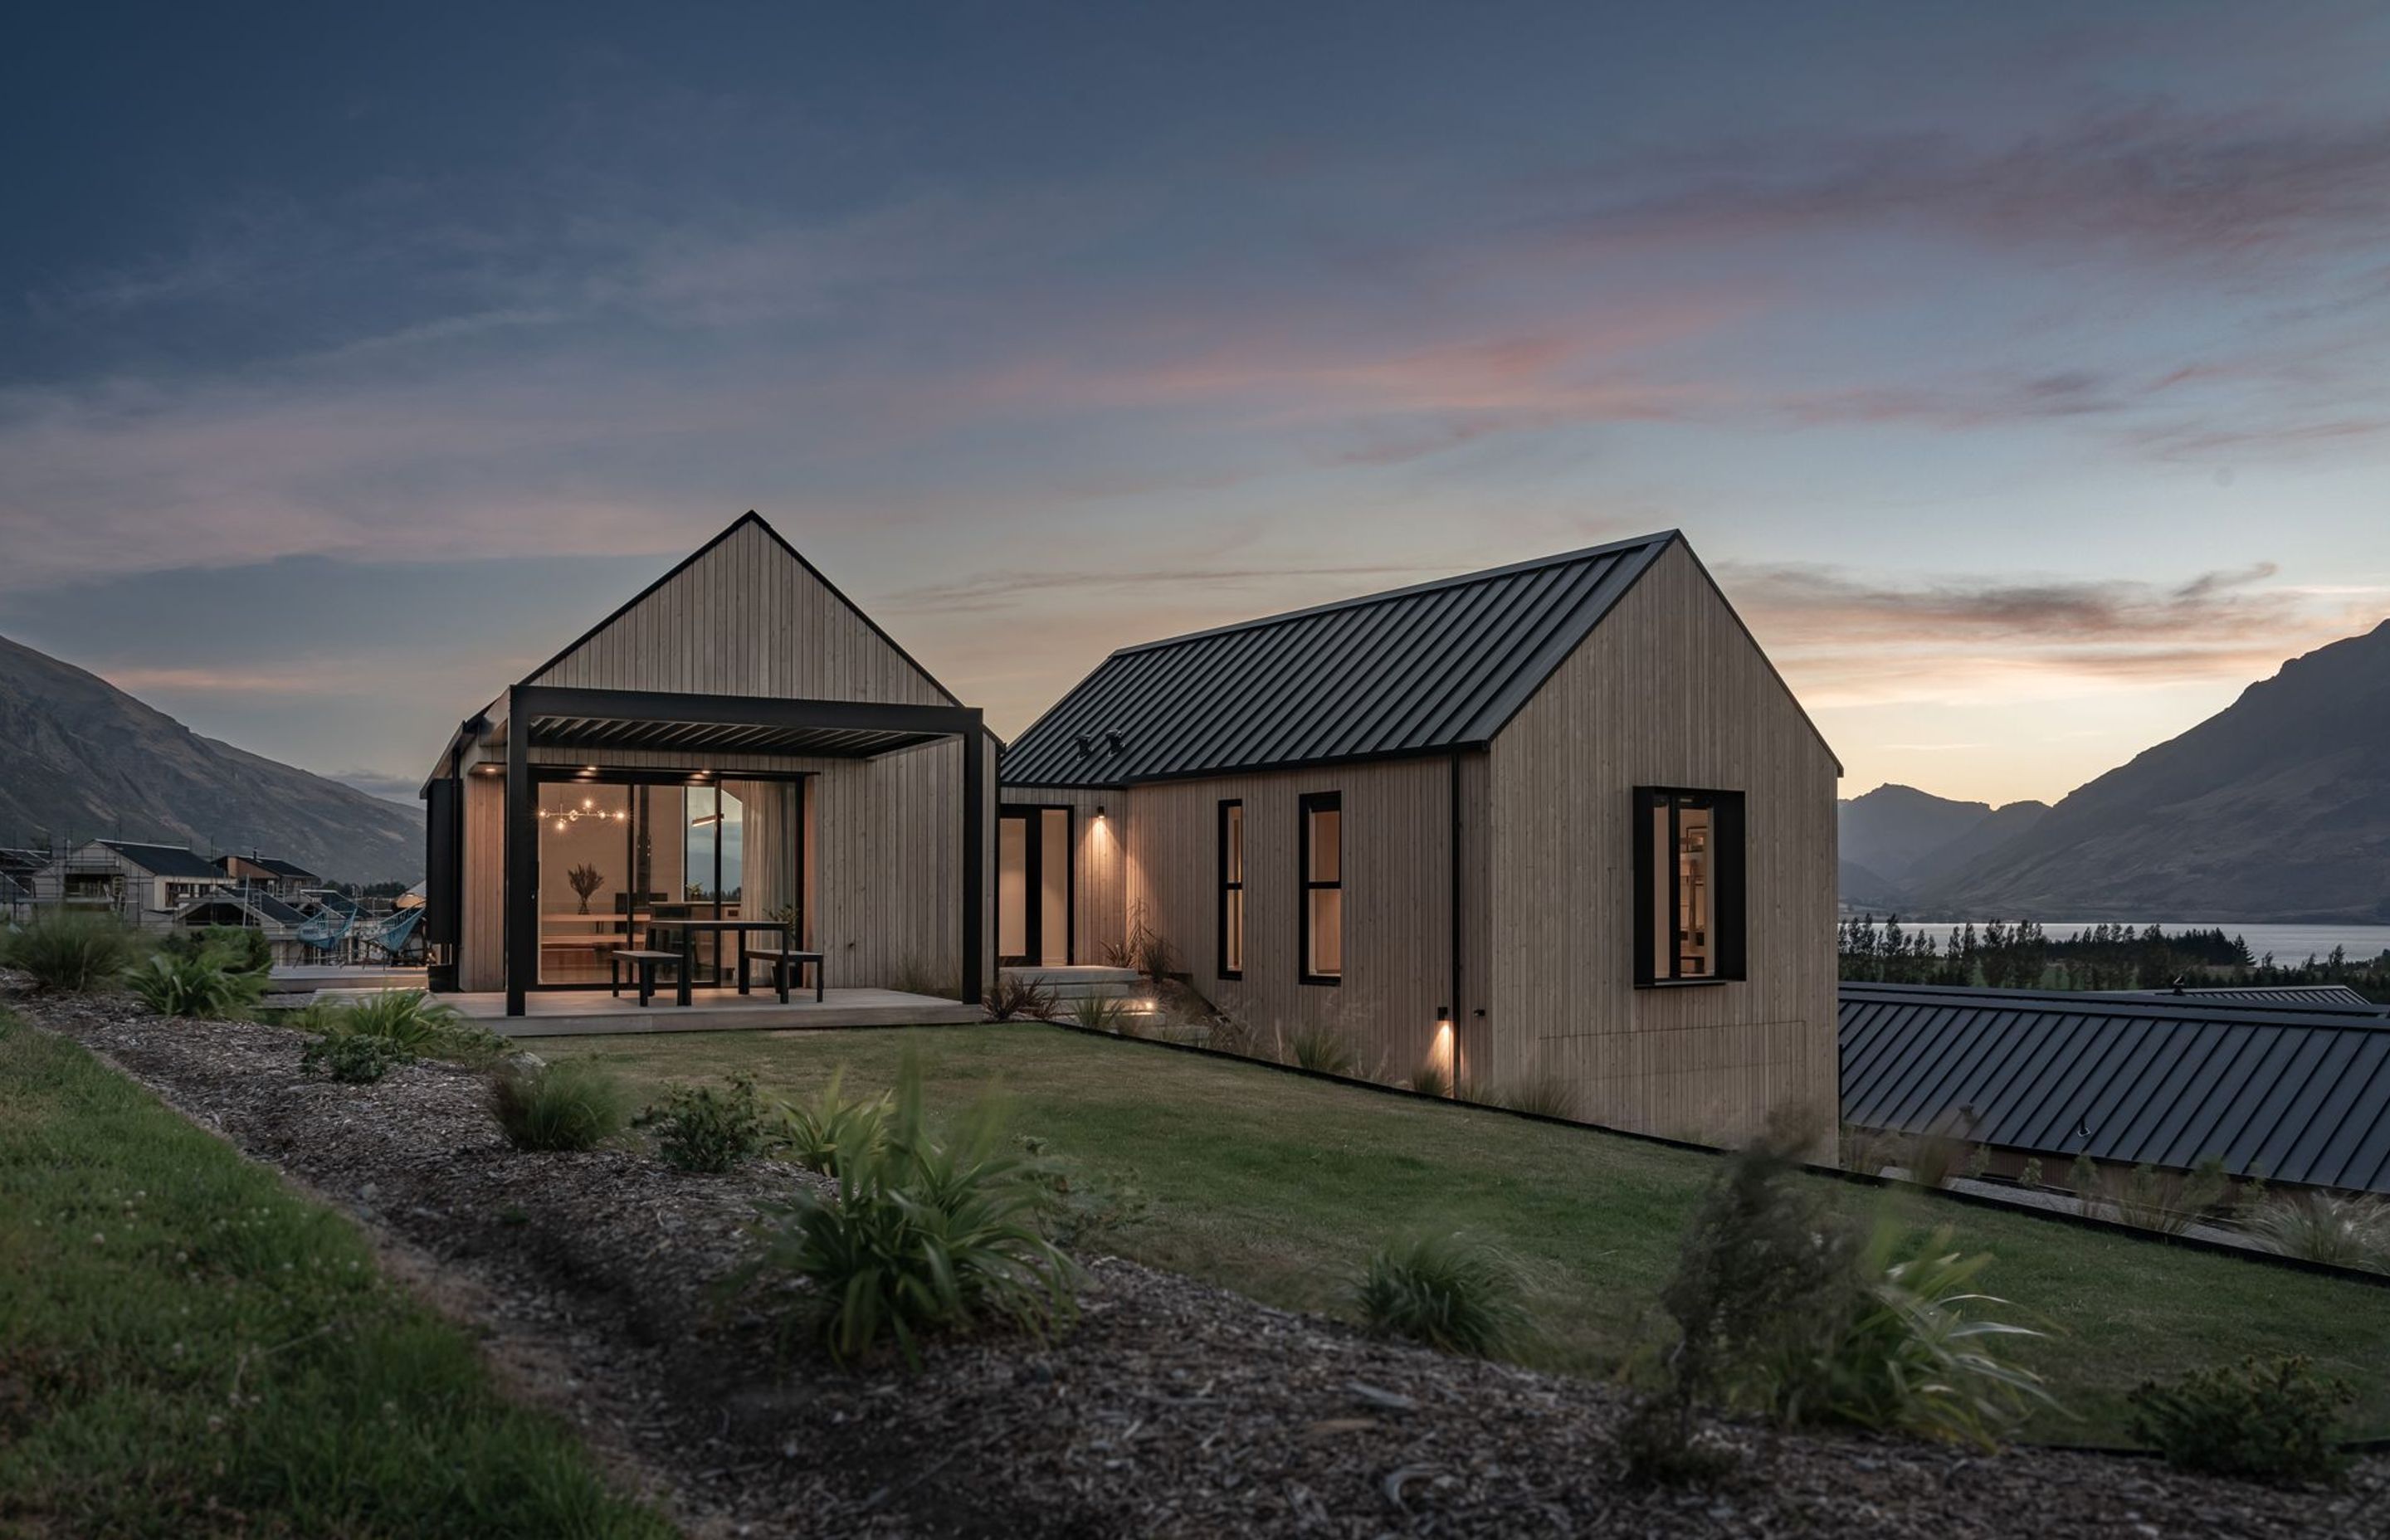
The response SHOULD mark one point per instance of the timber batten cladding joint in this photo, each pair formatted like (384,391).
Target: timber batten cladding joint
(1422,818)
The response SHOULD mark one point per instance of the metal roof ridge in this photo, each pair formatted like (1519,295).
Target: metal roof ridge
(1657,537)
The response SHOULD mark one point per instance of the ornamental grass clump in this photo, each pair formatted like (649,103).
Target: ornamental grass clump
(700,1129)
(2317,1227)
(574,1105)
(193,984)
(353,1059)
(1446,1292)
(922,1235)
(71,953)
(814,1135)
(1321,1048)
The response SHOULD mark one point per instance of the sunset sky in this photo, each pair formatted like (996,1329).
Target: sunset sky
(2022,371)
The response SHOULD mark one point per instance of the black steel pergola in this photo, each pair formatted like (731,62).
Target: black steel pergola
(546,716)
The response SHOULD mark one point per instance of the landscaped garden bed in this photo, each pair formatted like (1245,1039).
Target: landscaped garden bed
(1169,1407)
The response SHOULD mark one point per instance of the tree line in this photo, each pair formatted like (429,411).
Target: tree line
(2023,956)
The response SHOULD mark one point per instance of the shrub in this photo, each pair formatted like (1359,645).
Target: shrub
(922,1235)
(411,1020)
(1321,1048)
(2083,1180)
(1430,1079)
(2030,1177)
(1099,1013)
(234,948)
(1979,1162)
(815,1136)
(569,1105)
(2345,1232)
(1077,1209)
(1016,998)
(353,1059)
(76,952)
(698,1128)
(2268,1421)
(1443,1290)
(193,984)
(1779,1308)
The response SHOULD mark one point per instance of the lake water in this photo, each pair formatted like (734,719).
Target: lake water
(2290,945)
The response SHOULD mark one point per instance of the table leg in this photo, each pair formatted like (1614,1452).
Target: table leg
(742,962)
(688,962)
(781,975)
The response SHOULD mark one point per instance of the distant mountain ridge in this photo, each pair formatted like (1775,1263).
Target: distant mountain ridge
(2276,808)
(81,760)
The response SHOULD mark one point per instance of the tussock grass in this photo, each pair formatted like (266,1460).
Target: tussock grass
(71,952)
(206,1353)
(1446,1292)
(576,1105)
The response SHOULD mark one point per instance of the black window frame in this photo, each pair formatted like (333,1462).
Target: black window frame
(1729,916)
(1307,804)
(1227,886)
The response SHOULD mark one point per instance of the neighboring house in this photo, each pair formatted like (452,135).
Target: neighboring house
(737,741)
(284,879)
(1556,821)
(251,909)
(2298,1094)
(140,883)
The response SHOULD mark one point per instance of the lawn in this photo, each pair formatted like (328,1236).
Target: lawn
(1276,1186)
(187,1347)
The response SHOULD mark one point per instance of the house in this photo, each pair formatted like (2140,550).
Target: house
(2298,1094)
(253,908)
(737,743)
(139,882)
(17,869)
(284,879)
(1558,822)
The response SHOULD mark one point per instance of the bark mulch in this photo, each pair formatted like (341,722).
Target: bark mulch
(1170,1409)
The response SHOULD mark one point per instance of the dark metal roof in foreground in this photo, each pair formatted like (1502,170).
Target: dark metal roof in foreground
(164,860)
(1439,665)
(2303,1095)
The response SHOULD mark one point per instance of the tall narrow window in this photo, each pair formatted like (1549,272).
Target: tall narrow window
(1688,905)
(1322,859)
(1232,889)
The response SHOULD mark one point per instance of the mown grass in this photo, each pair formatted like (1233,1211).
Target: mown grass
(1280,1186)
(188,1348)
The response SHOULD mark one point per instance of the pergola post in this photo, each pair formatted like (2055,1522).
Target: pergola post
(520,930)
(974,855)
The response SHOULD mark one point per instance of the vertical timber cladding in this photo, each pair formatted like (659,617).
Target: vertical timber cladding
(1397,820)
(480,957)
(1668,690)
(1099,864)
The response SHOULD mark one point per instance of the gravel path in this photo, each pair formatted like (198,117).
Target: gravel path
(1171,1408)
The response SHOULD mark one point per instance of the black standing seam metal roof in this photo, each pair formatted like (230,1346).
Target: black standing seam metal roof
(2301,1093)
(1435,666)
(164,860)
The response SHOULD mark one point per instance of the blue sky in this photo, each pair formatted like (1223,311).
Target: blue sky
(2023,371)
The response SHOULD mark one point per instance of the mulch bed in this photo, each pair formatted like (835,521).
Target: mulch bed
(1170,1409)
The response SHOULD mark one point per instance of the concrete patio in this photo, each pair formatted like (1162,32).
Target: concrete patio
(577,1013)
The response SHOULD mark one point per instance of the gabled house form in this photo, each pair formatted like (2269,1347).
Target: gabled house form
(2297,1093)
(139,882)
(736,742)
(1560,820)
(269,873)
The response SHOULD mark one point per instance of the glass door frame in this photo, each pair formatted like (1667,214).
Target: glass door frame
(1033,858)
(544,775)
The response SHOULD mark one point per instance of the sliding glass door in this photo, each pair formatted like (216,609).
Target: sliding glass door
(618,852)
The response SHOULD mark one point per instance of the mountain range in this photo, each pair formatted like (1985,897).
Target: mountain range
(81,760)
(2276,808)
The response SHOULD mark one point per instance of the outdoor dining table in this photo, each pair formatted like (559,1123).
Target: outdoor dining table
(689,928)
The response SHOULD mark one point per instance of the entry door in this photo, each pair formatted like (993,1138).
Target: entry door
(1033,886)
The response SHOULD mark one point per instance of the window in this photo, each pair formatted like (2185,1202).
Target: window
(1689,910)
(1232,889)
(1322,855)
